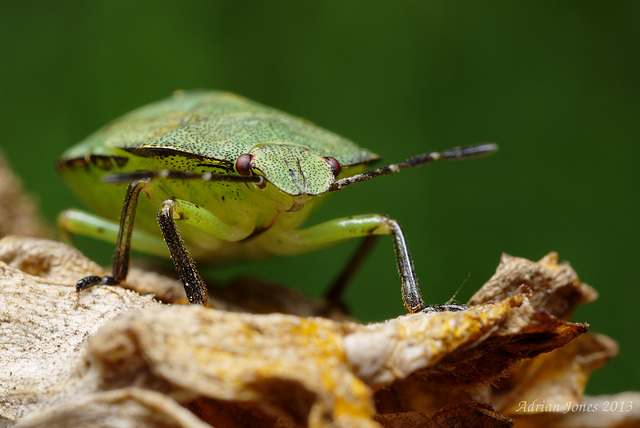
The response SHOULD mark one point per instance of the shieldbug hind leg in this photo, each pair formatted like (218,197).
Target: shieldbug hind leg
(333,296)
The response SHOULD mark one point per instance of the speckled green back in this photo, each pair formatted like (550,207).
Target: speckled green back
(215,125)
(218,127)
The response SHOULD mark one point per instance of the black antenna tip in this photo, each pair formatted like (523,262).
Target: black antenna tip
(470,151)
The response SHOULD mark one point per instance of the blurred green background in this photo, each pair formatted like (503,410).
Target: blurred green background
(554,83)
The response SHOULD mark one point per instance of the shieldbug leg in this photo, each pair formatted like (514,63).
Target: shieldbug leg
(78,222)
(123,245)
(182,260)
(333,231)
(333,295)
(173,210)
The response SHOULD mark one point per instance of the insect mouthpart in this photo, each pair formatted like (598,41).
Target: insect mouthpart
(298,203)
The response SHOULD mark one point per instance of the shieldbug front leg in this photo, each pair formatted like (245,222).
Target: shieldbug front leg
(182,260)
(173,210)
(353,227)
(121,258)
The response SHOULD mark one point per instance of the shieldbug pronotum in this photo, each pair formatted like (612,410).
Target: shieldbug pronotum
(236,177)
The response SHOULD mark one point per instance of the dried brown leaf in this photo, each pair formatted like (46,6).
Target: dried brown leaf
(48,261)
(110,356)
(123,408)
(18,212)
(556,287)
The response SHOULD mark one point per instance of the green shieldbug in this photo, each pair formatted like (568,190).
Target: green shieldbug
(239,178)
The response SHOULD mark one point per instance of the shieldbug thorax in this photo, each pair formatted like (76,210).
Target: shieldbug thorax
(236,178)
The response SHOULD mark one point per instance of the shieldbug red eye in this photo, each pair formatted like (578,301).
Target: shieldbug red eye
(335,165)
(243,164)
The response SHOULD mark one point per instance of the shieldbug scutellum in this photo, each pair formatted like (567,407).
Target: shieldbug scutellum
(237,178)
